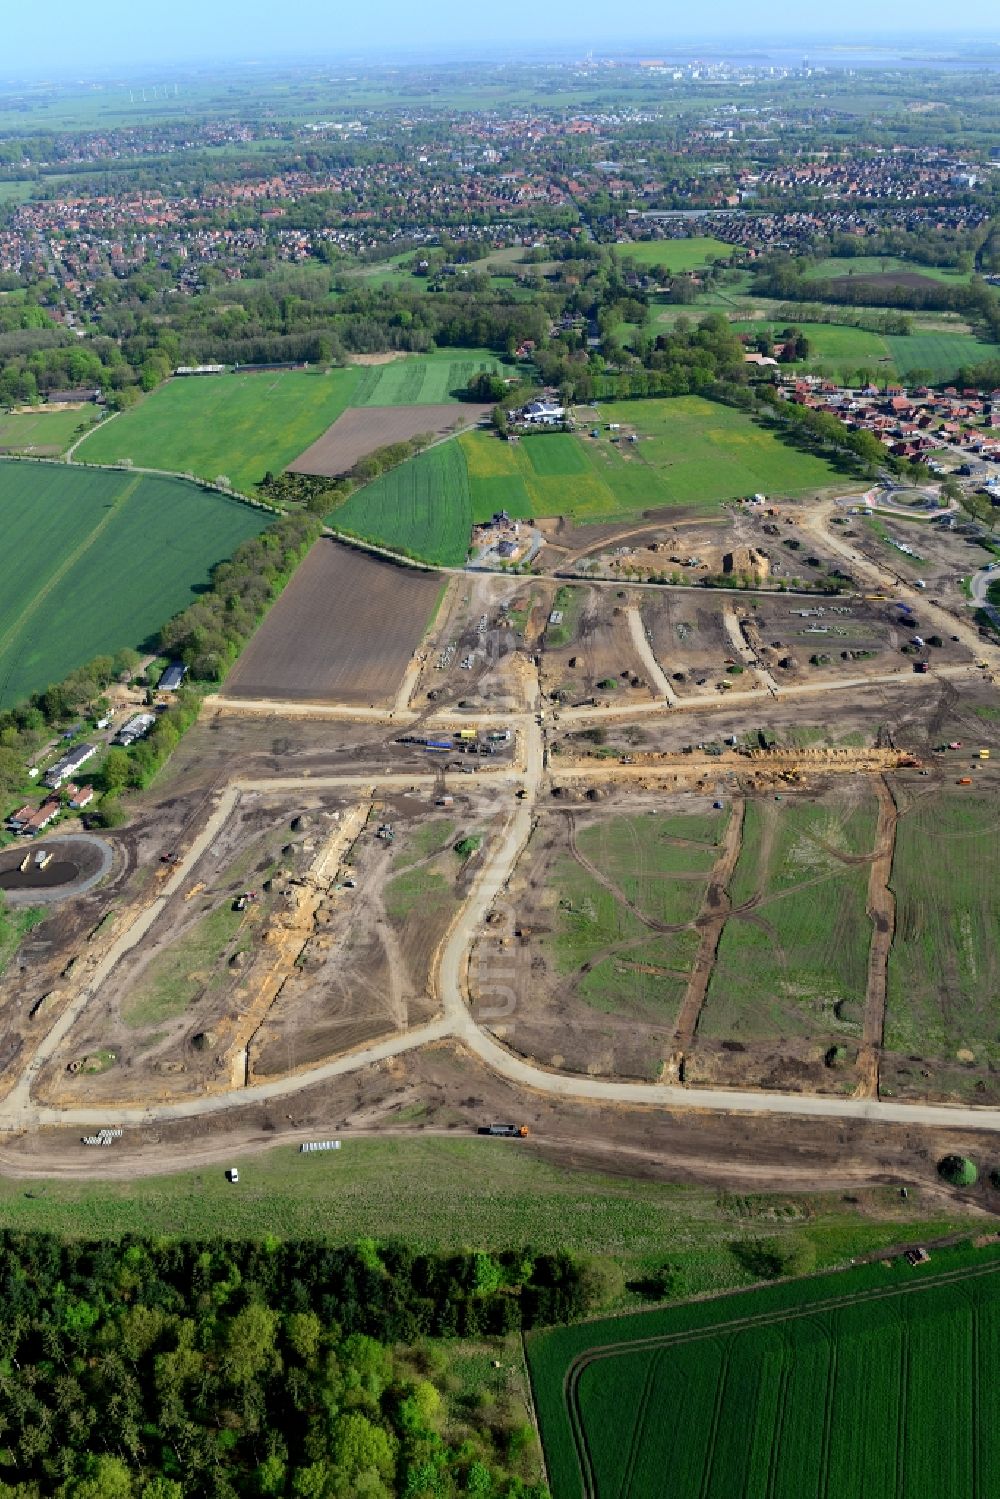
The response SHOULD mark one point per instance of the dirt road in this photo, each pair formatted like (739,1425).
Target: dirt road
(644,651)
(456,1020)
(816,521)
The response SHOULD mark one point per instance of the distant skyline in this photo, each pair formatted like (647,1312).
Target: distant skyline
(113,34)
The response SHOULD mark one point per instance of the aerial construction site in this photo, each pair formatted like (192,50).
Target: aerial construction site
(599,853)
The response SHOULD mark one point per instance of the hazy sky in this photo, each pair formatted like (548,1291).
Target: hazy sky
(65,34)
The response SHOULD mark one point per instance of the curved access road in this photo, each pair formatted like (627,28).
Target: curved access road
(457,1023)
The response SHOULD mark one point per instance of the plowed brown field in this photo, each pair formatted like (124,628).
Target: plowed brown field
(362,429)
(342,631)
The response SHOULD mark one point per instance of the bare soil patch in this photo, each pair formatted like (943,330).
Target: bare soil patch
(599,650)
(362,429)
(342,631)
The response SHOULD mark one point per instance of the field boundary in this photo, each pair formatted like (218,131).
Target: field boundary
(132,468)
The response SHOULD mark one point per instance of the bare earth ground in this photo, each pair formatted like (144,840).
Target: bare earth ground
(450,1091)
(322,966)
(343,630)
(362,429)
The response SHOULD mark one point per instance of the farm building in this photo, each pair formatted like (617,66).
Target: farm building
(136,728)
(172,677)
(69,764)
(72,397)
(542,413)
(200,369)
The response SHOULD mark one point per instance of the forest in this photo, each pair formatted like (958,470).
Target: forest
(174,1370)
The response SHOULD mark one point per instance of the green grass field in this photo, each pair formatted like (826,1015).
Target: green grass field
(421,379)
(834,345)
(836,267)
(237,425)
(839,350)
(796,963)
(677,255)
(421,508)
(659,869)
(943,354)
(97,561)
(693,453)
(43,433)
(944,974)
(877,1382)
(441,1193)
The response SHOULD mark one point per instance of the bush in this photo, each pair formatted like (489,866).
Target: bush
(958,1170)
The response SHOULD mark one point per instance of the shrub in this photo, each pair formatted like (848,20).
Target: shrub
(958,1170)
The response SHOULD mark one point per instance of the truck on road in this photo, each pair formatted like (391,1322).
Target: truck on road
(506,1131)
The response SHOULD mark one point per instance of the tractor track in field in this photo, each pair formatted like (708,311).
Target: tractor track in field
(777,1316)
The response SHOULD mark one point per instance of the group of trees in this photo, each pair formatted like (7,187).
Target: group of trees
(211,632)
(783,276)
(175,1370)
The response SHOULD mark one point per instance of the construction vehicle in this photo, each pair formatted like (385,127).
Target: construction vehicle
(466,733)
(965,780)
(984,754)
(505,1131)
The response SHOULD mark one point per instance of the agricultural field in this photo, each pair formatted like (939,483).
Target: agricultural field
(421,509)
(939,354)
(833,345)
(42,433)
(238,425)
(696,453)
(790,975)
(877,1381)
(537,476)
(839,268)
(690,453)
(362,429)
(342,631)
(677,255)
(421,379)
(943,967)
(839,350)
(102,561)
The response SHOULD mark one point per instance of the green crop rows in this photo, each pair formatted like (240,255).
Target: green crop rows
(421,380)
(421,508)
(103,559)
(879,1382)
